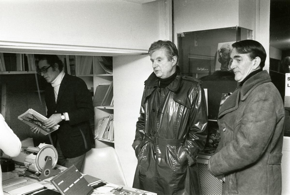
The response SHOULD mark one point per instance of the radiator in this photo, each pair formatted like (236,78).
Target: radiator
(209,184)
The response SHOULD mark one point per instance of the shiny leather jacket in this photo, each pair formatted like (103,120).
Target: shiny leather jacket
(169,135)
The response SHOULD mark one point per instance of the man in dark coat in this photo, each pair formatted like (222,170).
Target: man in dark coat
(251,120)
(171,129)
(69,104)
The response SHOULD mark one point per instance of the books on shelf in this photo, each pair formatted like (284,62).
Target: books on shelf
(71,65)
(67,65)
(11,62)
(103,95)
(84,65)
(106,63)
(112,102)
(35,119)
(2,63)
(108,96)
(105,129)
(19,62)
(71,182)
(31,62)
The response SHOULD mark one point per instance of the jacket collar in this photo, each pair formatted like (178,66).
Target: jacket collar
(153,82)
(241,93)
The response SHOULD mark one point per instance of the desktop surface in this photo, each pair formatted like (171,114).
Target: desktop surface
(28,185)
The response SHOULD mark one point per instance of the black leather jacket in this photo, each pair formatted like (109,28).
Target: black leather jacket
(169,135)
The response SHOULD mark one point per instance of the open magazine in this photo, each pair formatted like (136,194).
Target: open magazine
(33,118)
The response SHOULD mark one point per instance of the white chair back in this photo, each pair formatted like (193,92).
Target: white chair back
(103,163)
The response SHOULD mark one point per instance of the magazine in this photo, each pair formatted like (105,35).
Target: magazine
(35,119)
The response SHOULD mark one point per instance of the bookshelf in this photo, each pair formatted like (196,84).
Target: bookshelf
(97,73)
(103,78)
(15,63)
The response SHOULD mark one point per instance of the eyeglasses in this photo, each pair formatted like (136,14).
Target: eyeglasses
(43,70)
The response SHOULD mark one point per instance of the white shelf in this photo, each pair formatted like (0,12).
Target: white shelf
(105,107)
(17,72)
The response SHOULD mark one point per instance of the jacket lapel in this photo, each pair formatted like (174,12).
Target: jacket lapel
(243,92)
(230,104)
(152,83)
(253,82)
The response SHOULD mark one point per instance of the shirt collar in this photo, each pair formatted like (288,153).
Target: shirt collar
(58,79)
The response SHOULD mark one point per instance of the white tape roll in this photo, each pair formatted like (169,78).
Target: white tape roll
(34,158)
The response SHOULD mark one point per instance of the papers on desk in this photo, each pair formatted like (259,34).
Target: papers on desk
(12,182)
(25,189)
(24,185)
(112,189)
(45,192)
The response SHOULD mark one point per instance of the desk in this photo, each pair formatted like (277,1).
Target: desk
(109,188)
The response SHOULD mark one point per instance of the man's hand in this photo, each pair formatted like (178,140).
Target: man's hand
(182,156)
(35,129)
(53,120)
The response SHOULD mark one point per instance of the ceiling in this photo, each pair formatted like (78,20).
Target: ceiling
(280,24)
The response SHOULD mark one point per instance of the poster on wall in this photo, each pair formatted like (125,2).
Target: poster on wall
(223,56)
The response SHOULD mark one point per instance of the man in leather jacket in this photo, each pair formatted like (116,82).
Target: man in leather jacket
(171,129)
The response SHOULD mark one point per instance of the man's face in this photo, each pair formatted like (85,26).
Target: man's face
(47,71)
(241,65)
(162,67)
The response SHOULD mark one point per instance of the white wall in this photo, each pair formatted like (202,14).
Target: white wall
(204,14)
(130,72)
(263,26)
(247,14)
(102,23)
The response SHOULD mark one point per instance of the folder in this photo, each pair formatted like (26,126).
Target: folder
(72,182)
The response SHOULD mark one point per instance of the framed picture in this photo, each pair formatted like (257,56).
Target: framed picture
(223,56)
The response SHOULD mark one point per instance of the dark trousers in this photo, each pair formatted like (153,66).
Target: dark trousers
(67,162)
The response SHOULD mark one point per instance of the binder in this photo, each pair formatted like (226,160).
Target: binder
(100,93)
(102,127)
(108,96)
(72,182)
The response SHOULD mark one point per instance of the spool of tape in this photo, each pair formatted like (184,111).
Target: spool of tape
(44,152)
(34,158)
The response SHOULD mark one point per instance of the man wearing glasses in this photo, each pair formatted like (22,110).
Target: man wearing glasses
(69,104)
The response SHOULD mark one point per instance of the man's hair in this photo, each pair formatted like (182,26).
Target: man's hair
(253,48)
(51,60)
(169,46)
